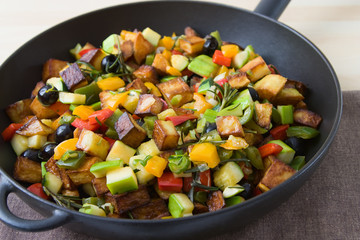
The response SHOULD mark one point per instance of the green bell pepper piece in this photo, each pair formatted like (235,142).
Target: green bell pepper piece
(96,106)
(298,162)
(178,163)
(286,114)
(255,158)
(91,91)
(233,201)
(111,133)
(71,159)
(302,132)
(203,66)
(248,114)
(110,122)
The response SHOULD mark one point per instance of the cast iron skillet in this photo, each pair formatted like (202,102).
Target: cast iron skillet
(295,56)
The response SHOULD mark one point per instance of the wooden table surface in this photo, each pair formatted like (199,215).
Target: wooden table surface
(333,25)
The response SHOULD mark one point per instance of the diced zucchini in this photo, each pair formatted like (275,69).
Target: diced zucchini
(58,83)
(152,36)
(228,175)
(148,148)
(120,180)
(142,175)
(166,113)
(231,191)
(120,151)
(19,144)
(72,98)
(92,210)
(52,182)
(286,114)
(109,43)
(298,162)
(287,154)
(180,205)
(240,59)
(100,169)
(233,201)
(203,66)
(179,62)
(36,141)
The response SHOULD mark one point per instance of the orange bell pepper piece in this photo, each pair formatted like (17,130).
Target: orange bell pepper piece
(205,152)
(156,166)
(200,104)
(64,146)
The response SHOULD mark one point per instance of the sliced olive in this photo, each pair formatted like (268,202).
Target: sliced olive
(110,64)
(48,95)
(254,94)
(63,132)
(210,45)
(297,144)
(248,189)
(47,151)
(210,127)
(31,154)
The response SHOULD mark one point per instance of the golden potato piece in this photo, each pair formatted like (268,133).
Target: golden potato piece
(27,170)
(270,86)
(165,135)
(142,47)
(83,175)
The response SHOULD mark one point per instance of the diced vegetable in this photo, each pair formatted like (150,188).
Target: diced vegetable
(121,179)
(302,132)
(228,175)
(205,152)
(180,205)
(168,182)
(270,149)
(101,168)
(287,153)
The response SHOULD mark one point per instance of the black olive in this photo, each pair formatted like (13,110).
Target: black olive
(248,189)
(63,132)
(254,94)
(210,127)
(48,95)
(47,151)
(297,144)
(110,64)
(210,45)
(31,154)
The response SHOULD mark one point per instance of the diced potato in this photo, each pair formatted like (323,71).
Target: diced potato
(67,183)
(19,144)
(93,144)
(129,131)
(94,57)
(239,80)
(37,88)
(165,135)
(127,49)
(307,117)
(270,86)
(137,84)
(148,105)
(27,170)
(70,193)
(256,69)
(192,44)
(229,125)
(51,167)
(288,96)
(52,67)
(142,47)
(156,209)
(72,76)
(147,74)
(83,175)
(160,63)
(149,148)
(100,186)
(34,127)
(166,113)
(36,141)
(41,111)
(275,174)
(263,113)
(176,87)
(19,110)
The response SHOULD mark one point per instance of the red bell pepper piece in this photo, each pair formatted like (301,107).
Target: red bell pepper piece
(186,72)
(181,119)
(269,149)
(9,132)
(168,182)
(257,191)
(220,59)
(37,189)
(136,117)
(59,107)
(279,132)
(176,52)
(81,124)
(221,82)
(196,87)
(187,184)
(273,69)
(83,52)
(100,116)
(205,179)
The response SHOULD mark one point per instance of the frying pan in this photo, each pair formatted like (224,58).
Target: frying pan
(295,57)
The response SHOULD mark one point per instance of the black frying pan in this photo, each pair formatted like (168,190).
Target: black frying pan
(295,57)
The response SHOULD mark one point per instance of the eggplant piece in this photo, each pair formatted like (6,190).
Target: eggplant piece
(229,125)
(137,84)
(52,67)
(263,113)
(127,201)
(189,32)
(155,209)
(307,118)
(83,175)
(147,74)
(238,80)
(288,96)
(270,86)
(72,76)
(165,135)
(100,187)
(34,127)
(302,89)
(19,110)
(192,44)
(256,69)
(94,57)
(127,49)
(142,47)
(148,105)
(27,170)
(216,201)
(160,64)
(253,139)
(176,87)
(40,111)
(200,208)
(129,131)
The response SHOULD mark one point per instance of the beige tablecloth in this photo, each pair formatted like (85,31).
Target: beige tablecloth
(326,207)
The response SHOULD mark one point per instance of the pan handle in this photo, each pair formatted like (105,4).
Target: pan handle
(57,218)
(271,8)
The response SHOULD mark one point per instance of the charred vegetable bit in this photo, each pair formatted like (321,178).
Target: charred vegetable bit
(152,127)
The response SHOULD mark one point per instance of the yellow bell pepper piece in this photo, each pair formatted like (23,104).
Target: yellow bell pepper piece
(83,111)
(205,152)
(64,146)
(131,102)
(189,105)
(230,50)
(234,143)
(153,89)
(114,101)
(167,54)
(127,35)
(200,104)
(173,71)
(111,83)
(166,42)
(222,70)
(156,166)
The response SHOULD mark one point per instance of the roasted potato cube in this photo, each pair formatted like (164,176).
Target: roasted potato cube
(127,201)
(155,209)
(70,193)
(93,144)
(288,96)
(238,80)
(100,186)
(147,74)
(83,175)
(72,76)
(160,64)
(192,44)
(52,67)
(41,111)
(142,47)
(137,84)
(256,69)
(176,87)
(67,183)
(34,127)
(104,97)
(216,201)
(263,113)
(275,174)
(165,135)
(127,49)
(229,125)
(189,32)
(94,57)
(253,138)
(51,167)
(270,86)
(148,105)
(182,111)
(37,88)
(301,105)
(200,208)
(307,118)
(129,131)
(19,110)
(297,85)
(27,170)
